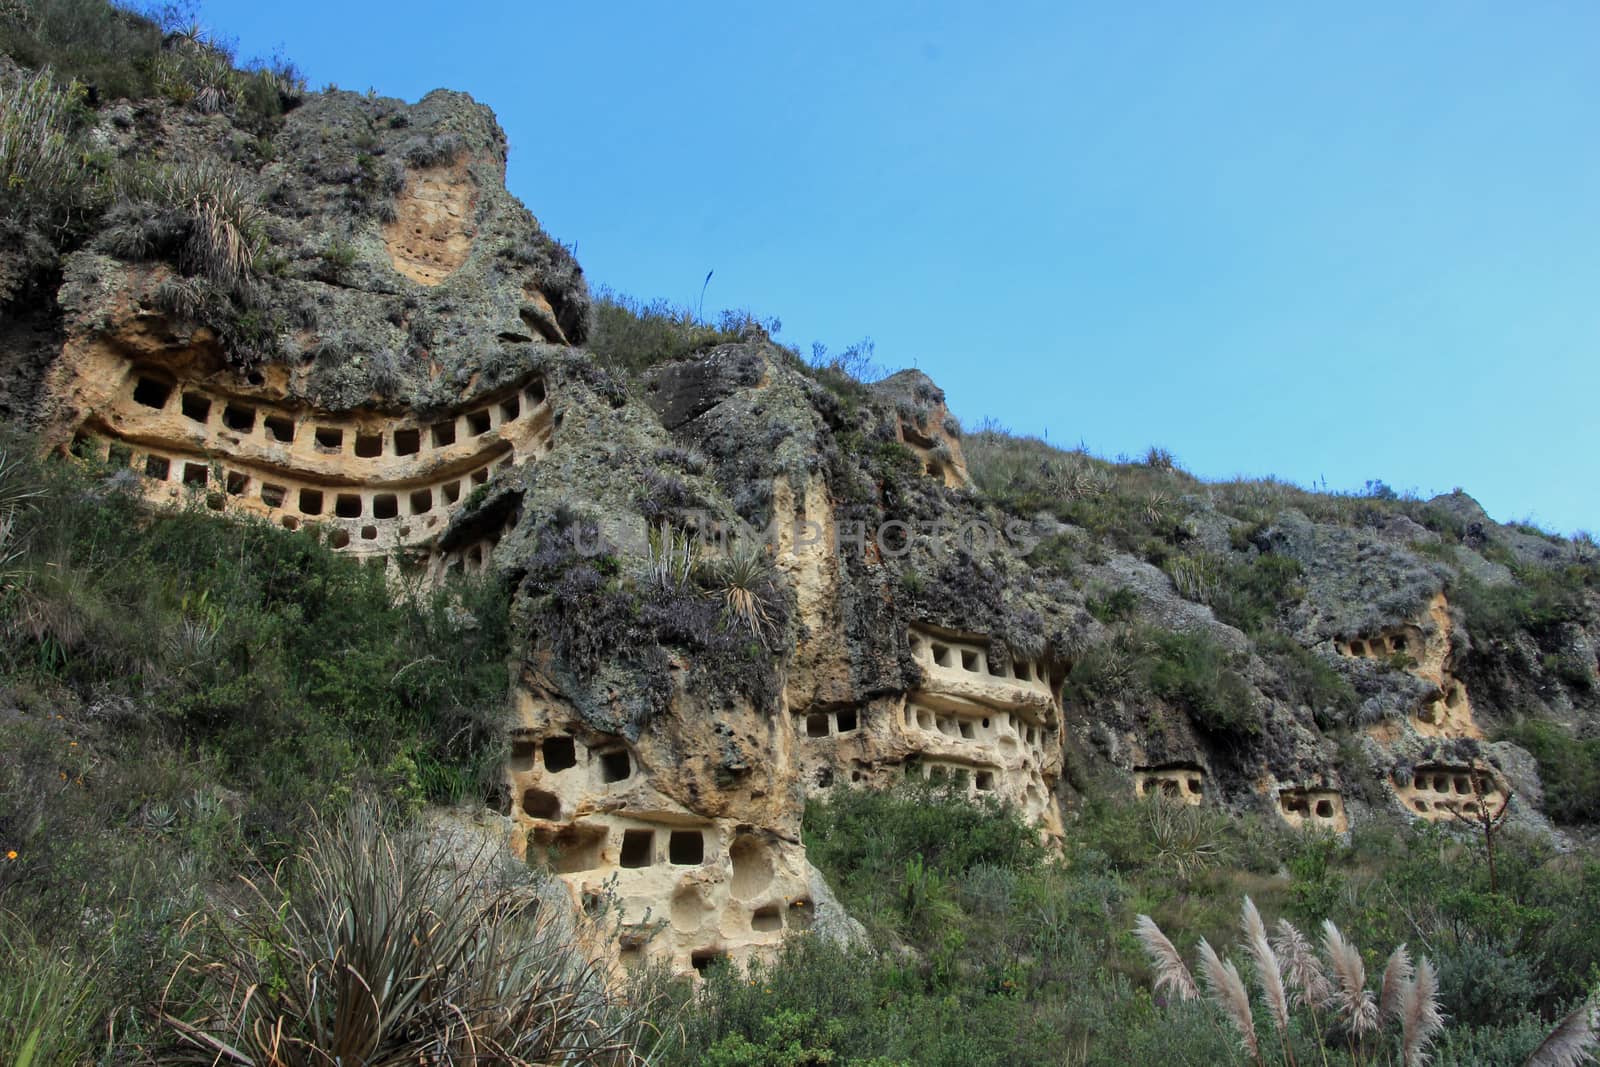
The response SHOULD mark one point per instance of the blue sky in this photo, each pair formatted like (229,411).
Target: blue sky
(1329,243)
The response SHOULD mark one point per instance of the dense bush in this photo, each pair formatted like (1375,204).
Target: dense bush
(1191,671)
(1568,767)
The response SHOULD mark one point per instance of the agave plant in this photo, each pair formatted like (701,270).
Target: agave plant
(744,581)
(377,947)
(670,559)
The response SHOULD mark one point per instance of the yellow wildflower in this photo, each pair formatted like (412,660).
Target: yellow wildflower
(11,855)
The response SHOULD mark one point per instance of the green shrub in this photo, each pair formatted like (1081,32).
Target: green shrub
(48,1005)
(42,166)
(631,336)
(1568,767)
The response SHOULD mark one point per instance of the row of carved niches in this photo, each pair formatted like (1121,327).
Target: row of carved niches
(689,890)
(1313,807)
(1447,792)
(1405,641)
(967,663)
(152,406)
(1185,782)
(1024,790)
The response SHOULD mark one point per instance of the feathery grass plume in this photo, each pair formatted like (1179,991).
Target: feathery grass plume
(1397,974)
(1171,973)
(1311,986)
(1353,998)
(1268,971)
(1228,993)
(1570,1042)
(1418,1008)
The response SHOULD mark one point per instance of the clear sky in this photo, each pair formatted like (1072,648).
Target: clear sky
(1329,242)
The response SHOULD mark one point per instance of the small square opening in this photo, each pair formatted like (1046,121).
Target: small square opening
(984,780)
(966,730)
(478,422)
(638,848)
(451,492)
(522,751)
(239,418)
(290,522)
(767,919)
(369,533)
(847,720)
(339,539)
(369,445)
(1324,809)
(817,724)
(330,438)
(480,476)
(196,406)
(120,456)
(702,959)
(559,753)
(237,483)
(152,393)
(279,428)
(421,501)
(686,848)
(444,433)
(157,467)
(615,765)
(407,442)
(539,804)
(535,392)
(385,506)
(273,496)
(969,660)
(510,410)
(196,474)
(347,505)
(311,502)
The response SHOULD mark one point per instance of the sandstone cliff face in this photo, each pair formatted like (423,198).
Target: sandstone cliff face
(409,382)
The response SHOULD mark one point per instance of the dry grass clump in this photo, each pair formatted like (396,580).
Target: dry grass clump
(203,216)
(375,947)
(41,159)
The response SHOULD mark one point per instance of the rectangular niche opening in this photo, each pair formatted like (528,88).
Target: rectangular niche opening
(615,765)
(522,750)
(1324,809)
(941,654)
(347,505)
(451,491)
(638,848)
(385,506)
(579,848)
(536,392)
(848,720)
(330,438)
(984,780)
(407,442)
(273,496)
(157,467)
(239,418)
(443,433)
(539,804)
(369,533)
(279,428)
(969,660)
(196,474)
(478,422)
(559,754)
(966,730)
(196,406)
(767,919)
(480,476)
(152,392)
(311,502)
(237,483)
(817,724)
(369,445)
(510,410)
(703,958)
(686,848)
(421,501)
(120,456)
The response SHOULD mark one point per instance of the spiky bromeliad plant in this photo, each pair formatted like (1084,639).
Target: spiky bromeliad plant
(377,947)
(1333,990)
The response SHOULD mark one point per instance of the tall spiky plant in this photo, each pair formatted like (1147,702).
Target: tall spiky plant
(377,947)
(670,559)
(1171,973)
(744,581)
(1269,973)
(1572,1041)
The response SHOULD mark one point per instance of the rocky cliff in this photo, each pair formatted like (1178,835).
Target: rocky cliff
(739,580)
